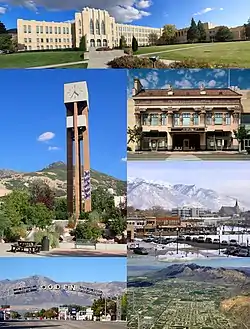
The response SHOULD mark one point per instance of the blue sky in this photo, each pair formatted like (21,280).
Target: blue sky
(153,13)
(34,105)
(63,269)
(189,78)
(220,176)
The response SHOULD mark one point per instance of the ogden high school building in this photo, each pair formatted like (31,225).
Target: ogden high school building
(99,29)
(187,119)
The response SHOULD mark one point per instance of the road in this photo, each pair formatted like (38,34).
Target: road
(61,325)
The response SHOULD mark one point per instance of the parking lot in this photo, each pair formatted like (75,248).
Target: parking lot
(61,325)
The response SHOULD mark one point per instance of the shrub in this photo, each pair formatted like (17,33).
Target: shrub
(135,62)
(128,51)
(193,63)
(13,234)
(53,238)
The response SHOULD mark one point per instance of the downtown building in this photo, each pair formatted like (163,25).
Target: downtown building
(99,28)
(185,119)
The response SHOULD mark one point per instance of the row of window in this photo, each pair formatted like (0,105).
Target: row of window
(97,28)
(156,119)
(47,29)
(134,29)
(48,40)
(38,47)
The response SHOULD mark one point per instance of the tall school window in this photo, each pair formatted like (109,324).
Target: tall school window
(59,30)
(50,30)
(103,28)
(55,30)
(25,28)
(47,29)
(91,27)
(67,30)
(41,29)
(37,29)
(29,28)
(97,27)
(64,30)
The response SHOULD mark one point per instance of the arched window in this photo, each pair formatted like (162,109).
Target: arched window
(103,28)
(91,27)
(97,27)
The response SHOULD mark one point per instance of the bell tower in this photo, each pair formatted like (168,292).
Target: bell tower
(78,156)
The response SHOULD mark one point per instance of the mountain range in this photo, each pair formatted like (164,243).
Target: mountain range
(145,194)
(49,298)
(55,175)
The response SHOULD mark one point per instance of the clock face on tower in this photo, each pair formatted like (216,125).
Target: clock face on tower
(75,92)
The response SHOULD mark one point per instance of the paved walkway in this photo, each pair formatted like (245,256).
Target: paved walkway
(183,157)
(99,59)
(68,249)
(57,65)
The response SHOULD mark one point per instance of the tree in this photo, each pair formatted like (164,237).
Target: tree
(87,231)
(240,134)
(61,211)
(40,192)
(83,44)
(40,216)
(168,34)
(202,32)
(15,207)
(6,42)
(193,32)
(102,200)
(152,38)
(2,28)
(135,135)
(223,34)
(247,29)
(134,44)
(122,42)
(4,223)
(118,225)
(98,306)
(124,306)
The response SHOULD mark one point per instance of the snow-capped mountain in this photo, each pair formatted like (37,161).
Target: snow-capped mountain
(145,194)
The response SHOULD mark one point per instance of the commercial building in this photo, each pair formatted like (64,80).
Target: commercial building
(184,119)
(186,212)
(99,28)
(238,33)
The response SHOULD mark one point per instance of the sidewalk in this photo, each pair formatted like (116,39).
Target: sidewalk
(69,250)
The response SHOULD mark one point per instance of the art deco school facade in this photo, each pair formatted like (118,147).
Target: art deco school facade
(185,119)
(98,27)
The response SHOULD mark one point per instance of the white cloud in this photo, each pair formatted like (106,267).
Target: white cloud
(151,80)
(46,136)
(3,10)
(221,8)
(219,73)
(204,11)
(143,4)
(124,159)
(124,11)
(184,83)
(53,148)
(211,83)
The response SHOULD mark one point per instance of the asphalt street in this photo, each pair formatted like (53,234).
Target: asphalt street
(61,325)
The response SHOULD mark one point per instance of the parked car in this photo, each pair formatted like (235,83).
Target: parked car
(200,239)
(140,251)
(243,253)
(224,243)
(188,238)
(233,243)
(181,238)
(216,241)
(208,240)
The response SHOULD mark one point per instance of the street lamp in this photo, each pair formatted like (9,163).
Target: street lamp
(219,243)
(177,240)
(154,59)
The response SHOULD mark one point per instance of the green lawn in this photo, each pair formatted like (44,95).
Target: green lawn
(26,59)
(236,54)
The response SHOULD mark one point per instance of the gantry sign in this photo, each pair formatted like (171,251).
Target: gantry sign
(76,101)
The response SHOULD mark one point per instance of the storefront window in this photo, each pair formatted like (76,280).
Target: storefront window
(196,119)
(163,119)
(186,119)
(218,118)
(176,119)
(228,119)
(144,119)
(209,118)
(154,119)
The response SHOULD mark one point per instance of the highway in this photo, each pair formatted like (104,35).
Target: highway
(50,324)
